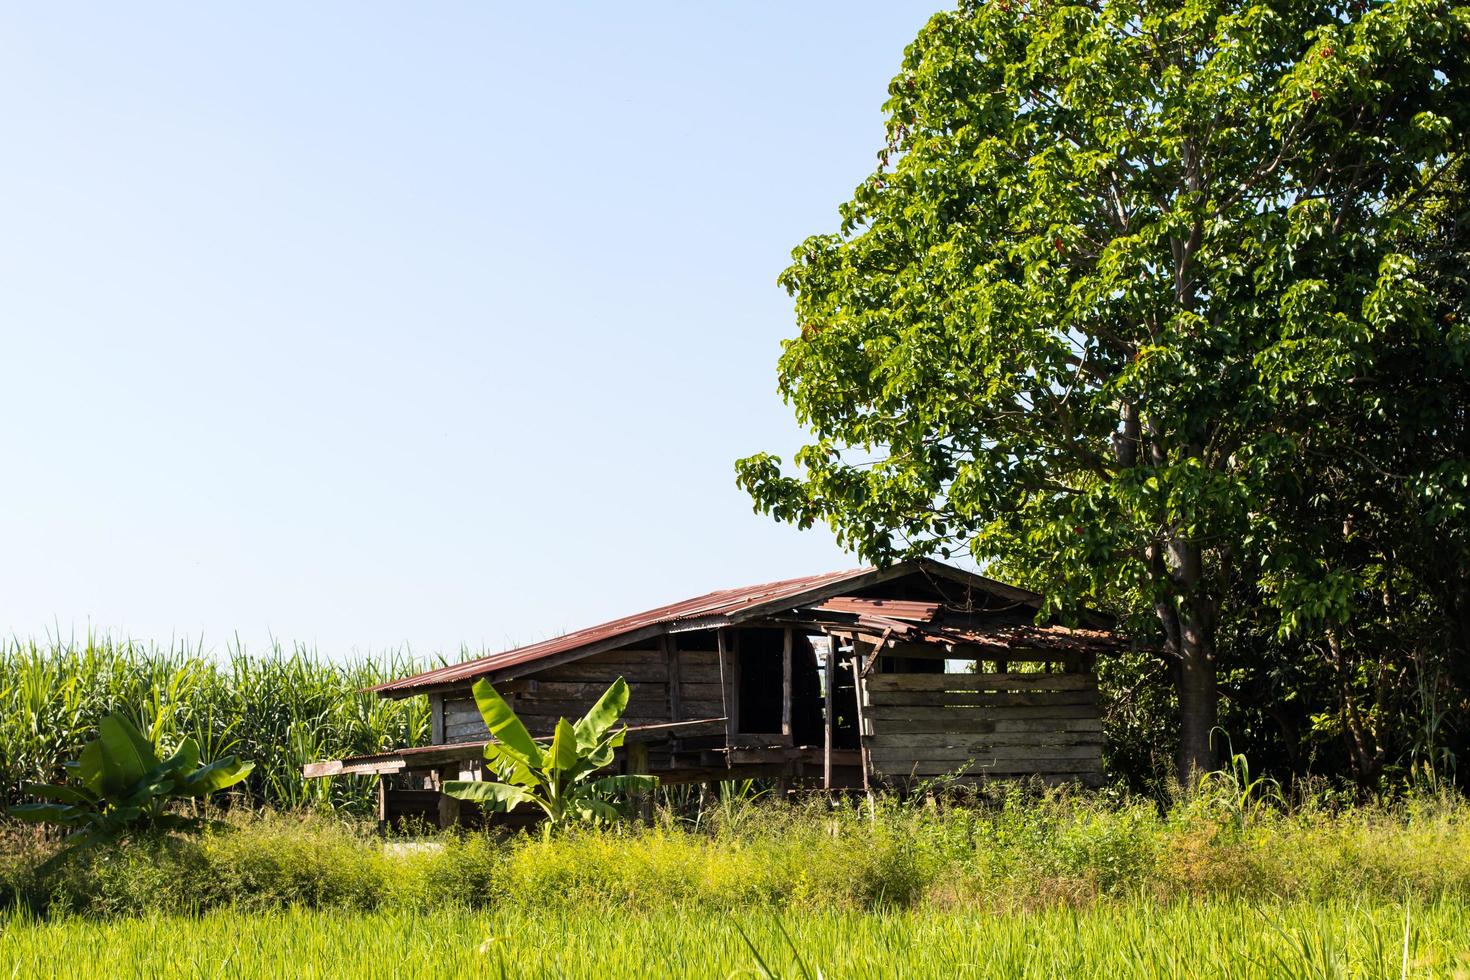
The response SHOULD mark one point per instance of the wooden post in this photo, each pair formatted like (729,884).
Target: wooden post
(436,719)
(671,656)
(382,802)
(727,686)
(448,810)
(786,686)
(830,721)
(858,691)
(638,765)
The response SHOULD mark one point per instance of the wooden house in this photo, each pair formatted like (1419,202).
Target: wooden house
(838,681)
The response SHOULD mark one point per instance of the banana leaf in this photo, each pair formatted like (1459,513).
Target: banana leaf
(510,767)
(504,725)
(58,813)
(623,784)
(126,756)
(218,775)
(603,715)
(496,794)
(563,746)
(61,794)
(90,766)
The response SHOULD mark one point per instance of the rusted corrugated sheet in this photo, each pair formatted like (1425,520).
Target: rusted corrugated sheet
(1000,637)
(713,605)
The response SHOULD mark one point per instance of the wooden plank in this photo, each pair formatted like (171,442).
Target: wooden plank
(1001,755)
(588,691)
(919,712)
(448,811)
(857,680)
(1010,681)
(786,643)
(981,699)
(727,679)
(985,726)
(967,652)
(921,743)
(829,719)
(641,704)
(436,719)
(1037,766)
(637,764)
(676,684)
(783,753)
(713,708)
(597,674)
(591,673)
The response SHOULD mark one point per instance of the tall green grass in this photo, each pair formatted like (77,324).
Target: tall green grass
(1136,939)
(281,710)
(1016,854)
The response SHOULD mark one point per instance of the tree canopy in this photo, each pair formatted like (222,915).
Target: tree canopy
(1138,305)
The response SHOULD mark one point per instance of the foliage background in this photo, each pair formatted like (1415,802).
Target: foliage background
(279,710)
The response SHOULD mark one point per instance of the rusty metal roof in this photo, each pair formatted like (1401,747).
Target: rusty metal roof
(720,605)
(816,593)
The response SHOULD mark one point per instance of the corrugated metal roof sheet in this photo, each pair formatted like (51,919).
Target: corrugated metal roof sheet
(722,603)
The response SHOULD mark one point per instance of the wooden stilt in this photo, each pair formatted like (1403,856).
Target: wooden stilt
(858,691)
(638,766)
(786,685)
(831,680)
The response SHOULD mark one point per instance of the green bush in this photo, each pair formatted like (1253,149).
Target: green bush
(1018,853)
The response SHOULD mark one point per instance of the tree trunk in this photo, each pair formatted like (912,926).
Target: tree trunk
(1189,630)
(1199,706)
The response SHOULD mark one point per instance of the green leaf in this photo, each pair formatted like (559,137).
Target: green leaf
(127,756)
(90,766)
(496,795)
(58,813)
(218,775)
(510,767)
(609,785)
(504,725)
(563,746)
(602,715)
(62,794)
(184,758)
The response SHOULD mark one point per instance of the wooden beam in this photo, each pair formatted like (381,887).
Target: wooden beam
(857,681)
(830,721)
(782,754)
(983,682)
(637,765)
(436,719)
(671,653)
(787,639)
(727,684)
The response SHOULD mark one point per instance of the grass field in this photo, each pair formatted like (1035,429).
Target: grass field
(1050,886)
(1230,939)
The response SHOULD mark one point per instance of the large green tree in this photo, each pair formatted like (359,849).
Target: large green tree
(1111,255)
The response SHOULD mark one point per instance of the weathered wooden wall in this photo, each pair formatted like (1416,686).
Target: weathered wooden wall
(568,690)
(992,724)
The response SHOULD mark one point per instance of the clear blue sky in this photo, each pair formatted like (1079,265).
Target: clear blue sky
(370,324)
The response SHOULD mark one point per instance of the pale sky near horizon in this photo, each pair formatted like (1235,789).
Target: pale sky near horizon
(368,325)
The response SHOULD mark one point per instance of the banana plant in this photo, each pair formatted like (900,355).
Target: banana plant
(119,786)
(559,778)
